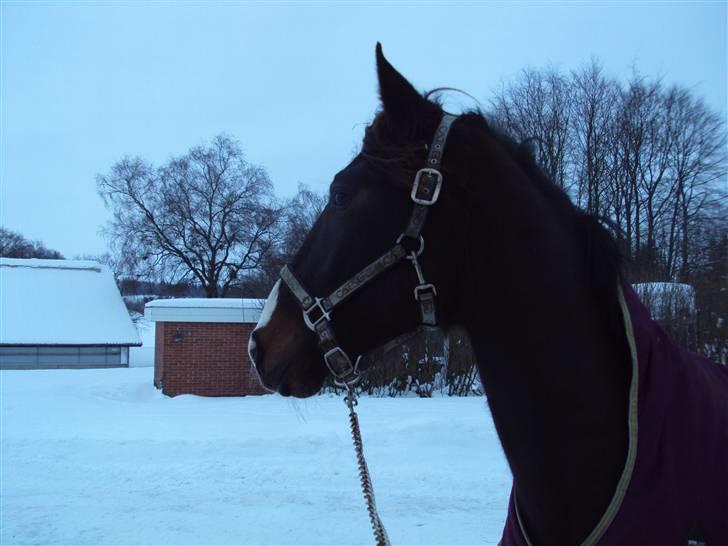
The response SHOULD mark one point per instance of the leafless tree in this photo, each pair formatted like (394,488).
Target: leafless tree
(650,159)
(697,159)
(595,98)
(208,215)
(298,215)
(301,213)
(537,106)
(643,181)
(14,245)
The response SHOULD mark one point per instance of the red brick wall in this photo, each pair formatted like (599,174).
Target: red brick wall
(205,358)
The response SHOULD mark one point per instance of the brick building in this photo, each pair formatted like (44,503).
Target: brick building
(201,346)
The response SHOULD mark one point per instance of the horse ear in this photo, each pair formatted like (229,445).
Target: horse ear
(400,100)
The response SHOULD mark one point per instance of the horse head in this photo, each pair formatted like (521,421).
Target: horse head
(370,203)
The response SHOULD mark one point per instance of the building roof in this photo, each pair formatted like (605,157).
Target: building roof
(667,299)
(204,310)
(61,302)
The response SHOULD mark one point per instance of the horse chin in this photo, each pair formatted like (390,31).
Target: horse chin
(298,389)
(294,376)
(301,384)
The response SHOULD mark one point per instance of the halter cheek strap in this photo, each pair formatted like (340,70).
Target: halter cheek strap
(409,245)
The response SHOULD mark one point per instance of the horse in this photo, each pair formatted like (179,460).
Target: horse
(606,444)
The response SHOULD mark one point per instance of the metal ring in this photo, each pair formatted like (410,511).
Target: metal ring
(419,251)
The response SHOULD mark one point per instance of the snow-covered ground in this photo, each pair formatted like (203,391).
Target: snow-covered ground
(101,457)
(143,356)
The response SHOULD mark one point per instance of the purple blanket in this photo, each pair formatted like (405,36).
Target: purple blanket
(675,484)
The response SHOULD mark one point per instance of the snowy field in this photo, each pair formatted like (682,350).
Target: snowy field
(101,457)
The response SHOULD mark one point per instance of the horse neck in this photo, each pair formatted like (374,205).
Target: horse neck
(555,377)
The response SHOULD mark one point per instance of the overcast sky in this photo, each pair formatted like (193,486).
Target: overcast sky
(84,83)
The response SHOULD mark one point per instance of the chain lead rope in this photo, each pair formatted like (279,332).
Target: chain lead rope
(380,534)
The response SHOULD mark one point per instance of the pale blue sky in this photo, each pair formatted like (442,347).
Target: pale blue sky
(84,83)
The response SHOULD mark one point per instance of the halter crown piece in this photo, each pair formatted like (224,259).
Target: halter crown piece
(409,245)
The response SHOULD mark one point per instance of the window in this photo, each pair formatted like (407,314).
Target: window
(14,357)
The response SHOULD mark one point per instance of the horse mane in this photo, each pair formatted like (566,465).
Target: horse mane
(400,151)
(601,252)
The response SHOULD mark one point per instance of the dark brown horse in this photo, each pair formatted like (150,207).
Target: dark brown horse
(534,281)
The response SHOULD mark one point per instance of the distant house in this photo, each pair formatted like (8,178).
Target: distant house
(202,346)
(62,314)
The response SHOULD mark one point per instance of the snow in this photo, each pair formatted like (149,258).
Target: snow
(681,289)
(61,302)
(204,310)
(667,299)
(102,457)
(144,355)
(215,303)
(38,263)
(139,298)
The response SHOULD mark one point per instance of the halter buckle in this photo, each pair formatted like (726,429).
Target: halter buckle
(425,296)
(325,315)
(429,193)
(339,364)
(423,288)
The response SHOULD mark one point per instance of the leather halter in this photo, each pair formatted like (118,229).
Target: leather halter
(409,245)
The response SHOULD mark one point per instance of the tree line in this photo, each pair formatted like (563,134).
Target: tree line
(649,160)
(16,245)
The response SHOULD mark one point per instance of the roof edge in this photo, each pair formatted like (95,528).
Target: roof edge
(135,344)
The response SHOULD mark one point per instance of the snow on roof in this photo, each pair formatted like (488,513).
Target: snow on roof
(204,310)
(667,299)
(672,288)
(61,302)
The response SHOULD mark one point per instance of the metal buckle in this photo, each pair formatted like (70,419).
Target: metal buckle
(338,356)
(416,186)
(354,378)
(325,315)
(422,287)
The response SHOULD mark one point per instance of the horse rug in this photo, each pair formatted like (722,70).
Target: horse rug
(674,487)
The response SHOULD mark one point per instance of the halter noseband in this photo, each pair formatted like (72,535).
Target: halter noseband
(317,311)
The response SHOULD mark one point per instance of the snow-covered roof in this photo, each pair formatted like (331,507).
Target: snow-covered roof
(61,302)
(204,310)
(667,299)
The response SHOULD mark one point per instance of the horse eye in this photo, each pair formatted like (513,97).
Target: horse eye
(340,199)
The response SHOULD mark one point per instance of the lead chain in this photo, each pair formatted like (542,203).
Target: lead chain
(380,534)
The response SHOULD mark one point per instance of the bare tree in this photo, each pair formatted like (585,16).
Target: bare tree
(595,99)
(643,180)
(652,160)
(14,245)
(209,216)
(697,158)
(301,213)
(537,106)
(298,215)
